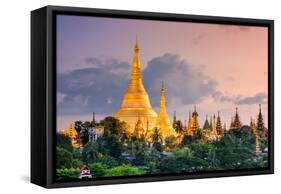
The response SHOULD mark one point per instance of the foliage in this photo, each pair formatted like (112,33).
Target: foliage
(90,152)
(98,169)
(123,170)
(110,144)
(233,150)
(62,174)
(187,139)
(63,158)
(108,161)
(113,126)
(64,141)
(197,135)
(170,142)
(179,127)
(201,150)
(183,160)
(156,136)
(82,129)
(157,139)
(137,147)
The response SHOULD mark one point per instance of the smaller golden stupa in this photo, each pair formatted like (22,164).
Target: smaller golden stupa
(72,134)
(163,121)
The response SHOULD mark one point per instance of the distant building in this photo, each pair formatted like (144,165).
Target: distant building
(72,134)
(236,124)
(261,130)
(85,172)
(95,131)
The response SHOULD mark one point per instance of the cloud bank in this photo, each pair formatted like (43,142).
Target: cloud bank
(100,87)
(183,83)
(260,97)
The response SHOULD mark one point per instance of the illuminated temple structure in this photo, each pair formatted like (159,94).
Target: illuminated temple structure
(163,121)
(141,118)
(136,109)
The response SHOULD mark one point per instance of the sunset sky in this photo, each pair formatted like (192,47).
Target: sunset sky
(216,67)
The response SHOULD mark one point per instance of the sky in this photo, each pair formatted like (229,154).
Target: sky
(217,67)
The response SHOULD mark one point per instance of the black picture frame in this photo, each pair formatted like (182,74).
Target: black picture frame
(43,92)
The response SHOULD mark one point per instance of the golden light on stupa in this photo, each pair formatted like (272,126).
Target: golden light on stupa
(163,121)
(136,104)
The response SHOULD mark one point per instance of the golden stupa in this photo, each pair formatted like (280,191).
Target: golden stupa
(163,121)
(135,104)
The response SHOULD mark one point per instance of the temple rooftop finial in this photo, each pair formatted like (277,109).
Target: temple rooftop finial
(162,85)
(136,45)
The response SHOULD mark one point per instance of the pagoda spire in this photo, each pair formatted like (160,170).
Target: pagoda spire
(135,99)
(136,74)
(162,99)
(260,123)
(136,48)
(195,122)
(94,119)
(189,123)
(163,117)
(219,125)
(214,124)
(206,124)
(175,119)
(236,123)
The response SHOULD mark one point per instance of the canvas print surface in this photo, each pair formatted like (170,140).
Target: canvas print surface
(143,97)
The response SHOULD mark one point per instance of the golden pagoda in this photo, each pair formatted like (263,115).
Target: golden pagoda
(135,103)
(163,118)
(253,126)
(194,120)
(236,122)
(72,134)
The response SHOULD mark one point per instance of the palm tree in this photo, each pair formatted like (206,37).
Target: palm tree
(179,127)
(78,126)
(156,136)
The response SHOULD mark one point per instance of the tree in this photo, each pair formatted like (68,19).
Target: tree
(90,152)
(64,174)
(83,131)
(232,151)
(179,127)
(182,161)
(156,136)
(113,126)
(110,144)
(186,140)
(201,150)
(78,126)
(170,141)
(98,169)
(123,170)
(157,139)
(64,141)
(63,158)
